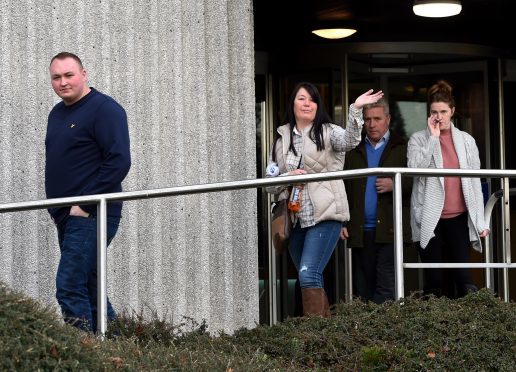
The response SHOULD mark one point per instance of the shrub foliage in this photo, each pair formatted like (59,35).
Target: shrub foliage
(477,332)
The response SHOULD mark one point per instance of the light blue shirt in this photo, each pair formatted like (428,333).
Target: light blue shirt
(381,142)
(374,154)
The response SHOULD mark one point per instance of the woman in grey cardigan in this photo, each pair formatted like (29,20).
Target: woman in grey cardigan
(446,213)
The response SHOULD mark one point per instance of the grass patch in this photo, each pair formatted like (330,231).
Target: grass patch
(477,332)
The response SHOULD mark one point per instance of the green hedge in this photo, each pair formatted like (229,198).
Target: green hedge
(477,332)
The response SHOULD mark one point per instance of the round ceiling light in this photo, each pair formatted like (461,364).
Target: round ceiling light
(436,8)
(334,33)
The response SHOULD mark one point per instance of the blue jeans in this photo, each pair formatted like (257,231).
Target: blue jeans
(311,249)
(76,280)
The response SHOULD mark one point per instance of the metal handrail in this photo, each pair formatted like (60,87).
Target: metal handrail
(102,199)
(493,199)
(488,209)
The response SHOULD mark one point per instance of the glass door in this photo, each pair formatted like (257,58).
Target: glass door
(406,88)
(405,79)
(405,84)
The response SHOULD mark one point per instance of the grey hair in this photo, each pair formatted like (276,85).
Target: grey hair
(382,102)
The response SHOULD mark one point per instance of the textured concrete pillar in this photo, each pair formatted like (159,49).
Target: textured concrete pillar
(183,70)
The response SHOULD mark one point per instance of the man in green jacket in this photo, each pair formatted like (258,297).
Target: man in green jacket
(370,231)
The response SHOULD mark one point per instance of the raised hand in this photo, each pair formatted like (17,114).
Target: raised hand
(367,97)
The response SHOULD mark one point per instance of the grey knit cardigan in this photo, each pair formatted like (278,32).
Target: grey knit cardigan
(427,201)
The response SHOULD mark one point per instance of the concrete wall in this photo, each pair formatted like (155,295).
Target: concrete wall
(183,70)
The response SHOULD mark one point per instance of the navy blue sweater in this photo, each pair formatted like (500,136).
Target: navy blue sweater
(87,151)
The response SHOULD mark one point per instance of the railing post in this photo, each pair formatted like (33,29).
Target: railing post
(488,259)
(101,268)
(272,282)
(348,262)
(506,246)
(398,237)
(488,211)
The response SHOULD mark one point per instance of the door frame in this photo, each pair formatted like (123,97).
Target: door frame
(316,57)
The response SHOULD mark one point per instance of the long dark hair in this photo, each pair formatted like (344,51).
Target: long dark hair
(321,116)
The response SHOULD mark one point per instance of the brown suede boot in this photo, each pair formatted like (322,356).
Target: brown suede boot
(315,302)
(326,306)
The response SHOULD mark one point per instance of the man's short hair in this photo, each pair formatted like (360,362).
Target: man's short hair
(382,102)
(64,55)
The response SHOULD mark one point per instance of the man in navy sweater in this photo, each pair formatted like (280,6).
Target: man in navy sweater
(87,152)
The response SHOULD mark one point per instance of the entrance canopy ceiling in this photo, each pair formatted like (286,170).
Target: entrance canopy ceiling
(283,24)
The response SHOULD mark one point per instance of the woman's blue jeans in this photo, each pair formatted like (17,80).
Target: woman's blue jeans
(311,249)
(76,280)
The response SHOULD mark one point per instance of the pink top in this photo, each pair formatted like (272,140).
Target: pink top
(454,203)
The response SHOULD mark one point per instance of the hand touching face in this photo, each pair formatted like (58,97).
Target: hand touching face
(440,117)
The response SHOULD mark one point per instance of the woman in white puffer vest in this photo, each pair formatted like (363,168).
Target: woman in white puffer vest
(309,143)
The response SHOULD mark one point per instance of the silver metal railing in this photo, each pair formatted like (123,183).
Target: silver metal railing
(506,250)
(102,199)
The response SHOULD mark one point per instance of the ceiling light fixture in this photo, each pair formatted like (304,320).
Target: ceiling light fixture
(436,8)
(334,33)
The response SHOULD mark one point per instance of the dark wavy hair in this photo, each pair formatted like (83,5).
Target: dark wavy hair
(321,116)
(441,91)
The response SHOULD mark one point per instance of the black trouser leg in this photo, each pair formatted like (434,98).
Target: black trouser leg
(374,269)
(459,251)
(364,268)
(433,252)
(384,273)
(450,244)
